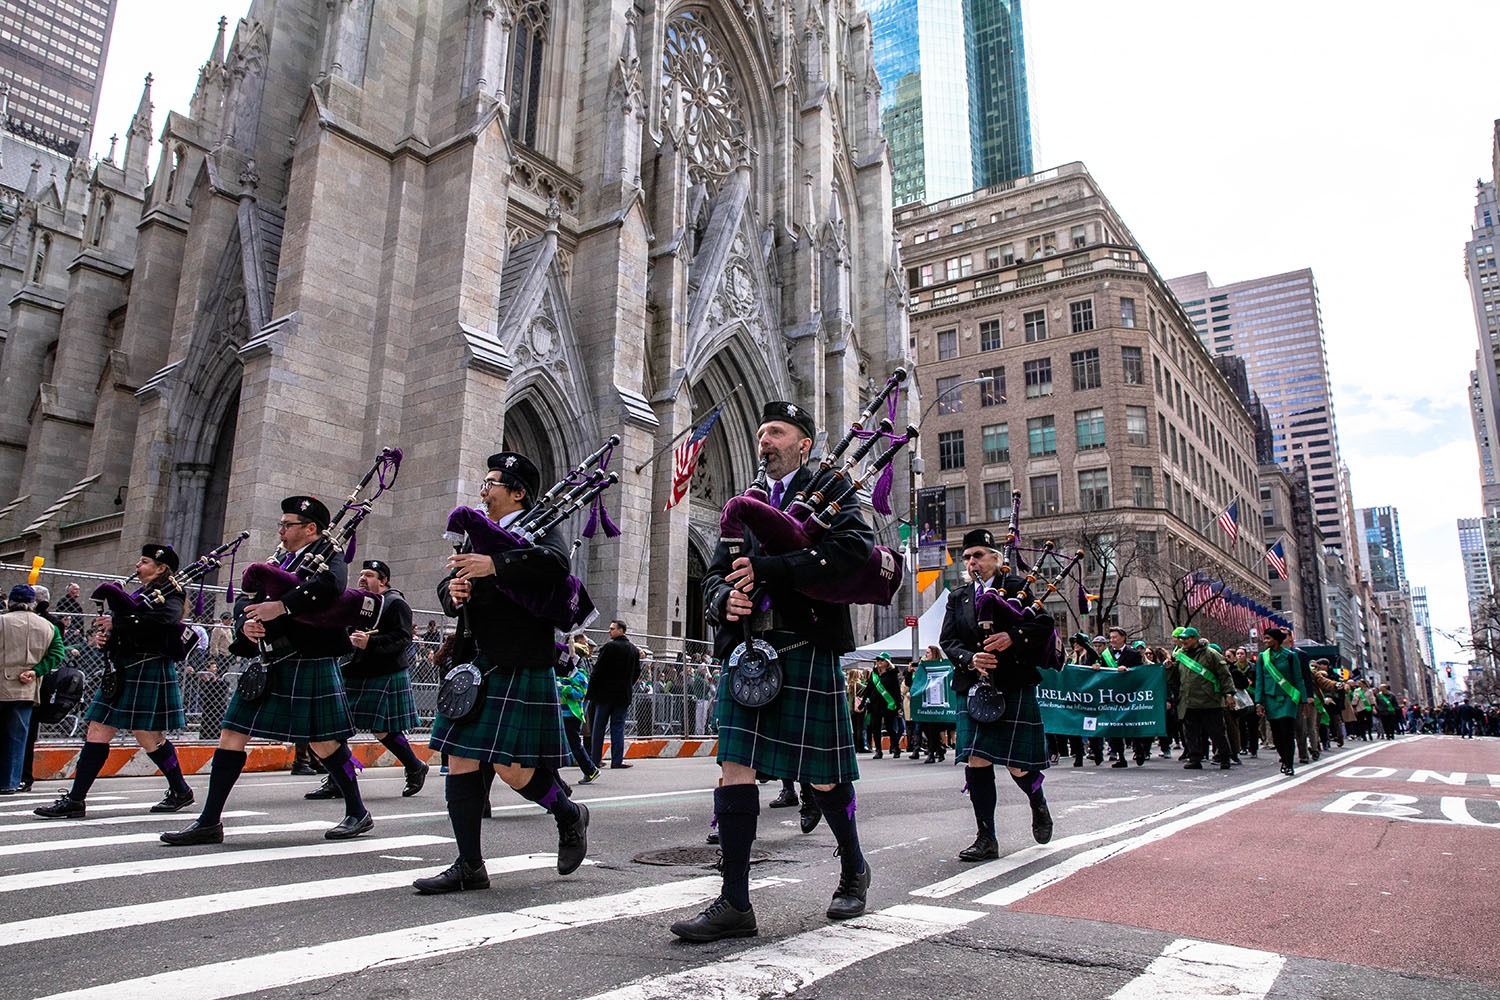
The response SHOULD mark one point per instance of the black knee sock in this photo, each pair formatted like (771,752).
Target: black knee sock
(982,797)
(165,757)
(396,743)
(341,771)
(226,771)
(735,809)
(837,806)
(1031,784)
(544,790)
(90,762)
(465,794)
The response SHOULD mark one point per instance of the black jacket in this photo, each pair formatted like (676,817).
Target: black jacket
(843,550)
(385,653)
(617,666)
(154,630)
(510,636)
(288,635)
(1015,668)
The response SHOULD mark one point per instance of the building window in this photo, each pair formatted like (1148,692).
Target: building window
(1093,489)
(1086,369)
(527,42)
(1045,498)
(997,500)
(1127,315)
(992,393)
(1036,325)
(1143,485)
(1090,427)
(1137,425)
(950,397)
(1080,236)
(1041,435)
(1082,313)
(1133,366)
(996,443)
(947,343)
(989,335)
(1145,545)
(1156,367)
(1038,378)
(951,450)
(929,273)
(958,506)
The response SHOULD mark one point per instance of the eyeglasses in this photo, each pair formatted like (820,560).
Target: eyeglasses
(289,525)
(490,484)
(973,555)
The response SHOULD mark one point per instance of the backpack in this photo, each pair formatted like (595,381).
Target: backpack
(62,690)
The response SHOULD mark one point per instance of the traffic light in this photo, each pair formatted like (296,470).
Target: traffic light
(1450,671)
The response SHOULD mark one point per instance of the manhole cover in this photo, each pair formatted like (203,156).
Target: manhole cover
(693,856)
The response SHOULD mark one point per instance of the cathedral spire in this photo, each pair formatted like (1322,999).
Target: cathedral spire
(138,139)
(208,96)
(216,57)
(34,185)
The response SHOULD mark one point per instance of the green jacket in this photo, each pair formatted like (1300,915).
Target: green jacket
(1278,704)
(1193,690)
(571,689)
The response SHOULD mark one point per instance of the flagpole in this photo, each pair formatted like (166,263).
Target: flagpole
(692,426)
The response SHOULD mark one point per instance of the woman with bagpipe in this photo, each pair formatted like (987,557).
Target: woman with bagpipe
(142,640)
(1006,660)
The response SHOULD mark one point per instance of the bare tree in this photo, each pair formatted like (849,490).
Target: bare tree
(1172,582)
(1111,556)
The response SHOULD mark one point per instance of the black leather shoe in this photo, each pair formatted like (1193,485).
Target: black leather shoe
(1193,765)
(984,848)
(327,790)
(350,827)
(786,797)
(808,815)
(721,920)
(619,767)
(573,842)
(849,898)
(174,802)
(1122,762)
(414,781)
(458,878)
(63,808)
(213,833)
(1041,823)
(300,769)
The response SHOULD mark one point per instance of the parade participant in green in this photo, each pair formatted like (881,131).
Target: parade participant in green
(1206,688)
(1277,696)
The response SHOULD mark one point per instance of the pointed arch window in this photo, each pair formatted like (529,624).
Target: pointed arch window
(102,221)
(43,248)
(178,155)
(528,42)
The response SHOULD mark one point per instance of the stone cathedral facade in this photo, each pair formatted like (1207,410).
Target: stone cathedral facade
(453,226)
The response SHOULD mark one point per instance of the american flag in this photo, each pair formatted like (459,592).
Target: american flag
(685,457)
(1229,520)
(1277,558)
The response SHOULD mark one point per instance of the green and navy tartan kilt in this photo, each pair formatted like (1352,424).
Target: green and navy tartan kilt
(150,699)
(520,722)
(382,704)
(304,702)
(804,734)
(1016,739)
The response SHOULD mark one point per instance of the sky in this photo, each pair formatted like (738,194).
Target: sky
(1238,139)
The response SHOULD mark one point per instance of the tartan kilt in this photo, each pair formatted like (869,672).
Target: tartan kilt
(804,734)
(1016,739)
(150,699)
(382,704)
(519,723)
(304,702)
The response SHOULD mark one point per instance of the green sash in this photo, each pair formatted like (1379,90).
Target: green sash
(1109,659)
(890,703)
(1281,682)
(1187,661)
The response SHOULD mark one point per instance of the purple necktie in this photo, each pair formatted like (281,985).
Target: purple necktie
(777,492)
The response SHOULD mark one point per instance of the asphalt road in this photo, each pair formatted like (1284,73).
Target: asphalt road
(1159,883)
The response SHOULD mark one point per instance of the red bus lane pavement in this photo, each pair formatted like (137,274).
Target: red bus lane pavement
(1388,862)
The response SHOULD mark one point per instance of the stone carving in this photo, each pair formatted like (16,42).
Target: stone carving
(694,60)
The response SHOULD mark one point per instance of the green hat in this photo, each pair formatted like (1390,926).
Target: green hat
(1186,633)
(883,656)
(1177,632)
(1138,644)
(1216,647)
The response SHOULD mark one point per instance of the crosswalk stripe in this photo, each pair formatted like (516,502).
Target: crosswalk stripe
(182,860)
(1187,970)
(93,808)
(121,839)
(785,967)
(92,921)
(275,970)
(52,826)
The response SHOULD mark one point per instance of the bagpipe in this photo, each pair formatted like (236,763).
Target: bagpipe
(354,608)
(833,487)
(566,604)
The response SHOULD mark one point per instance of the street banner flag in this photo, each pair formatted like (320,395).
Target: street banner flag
(927,577)
(1081,701)
(685,457)
(1277,558)
(1229,520)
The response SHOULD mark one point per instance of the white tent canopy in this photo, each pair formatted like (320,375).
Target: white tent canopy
(899,645)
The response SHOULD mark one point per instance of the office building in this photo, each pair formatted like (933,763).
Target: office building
(1484,291)
(1380,554)
(1477,587)
(954,124)
(52,62)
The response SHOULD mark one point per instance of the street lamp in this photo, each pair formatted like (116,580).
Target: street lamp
(913,461)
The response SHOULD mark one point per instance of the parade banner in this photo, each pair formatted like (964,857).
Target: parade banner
(1082,701)
(932,697)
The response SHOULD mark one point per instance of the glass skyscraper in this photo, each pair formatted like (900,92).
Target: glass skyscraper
(52,60)
(953,124)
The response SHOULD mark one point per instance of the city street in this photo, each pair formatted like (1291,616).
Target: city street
(1369,874)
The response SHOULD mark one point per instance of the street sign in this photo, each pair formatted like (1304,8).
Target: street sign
(911,621)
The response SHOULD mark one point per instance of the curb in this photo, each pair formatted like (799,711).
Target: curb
(55,763)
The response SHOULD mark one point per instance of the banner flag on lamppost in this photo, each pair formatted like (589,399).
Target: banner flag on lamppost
(932,535)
